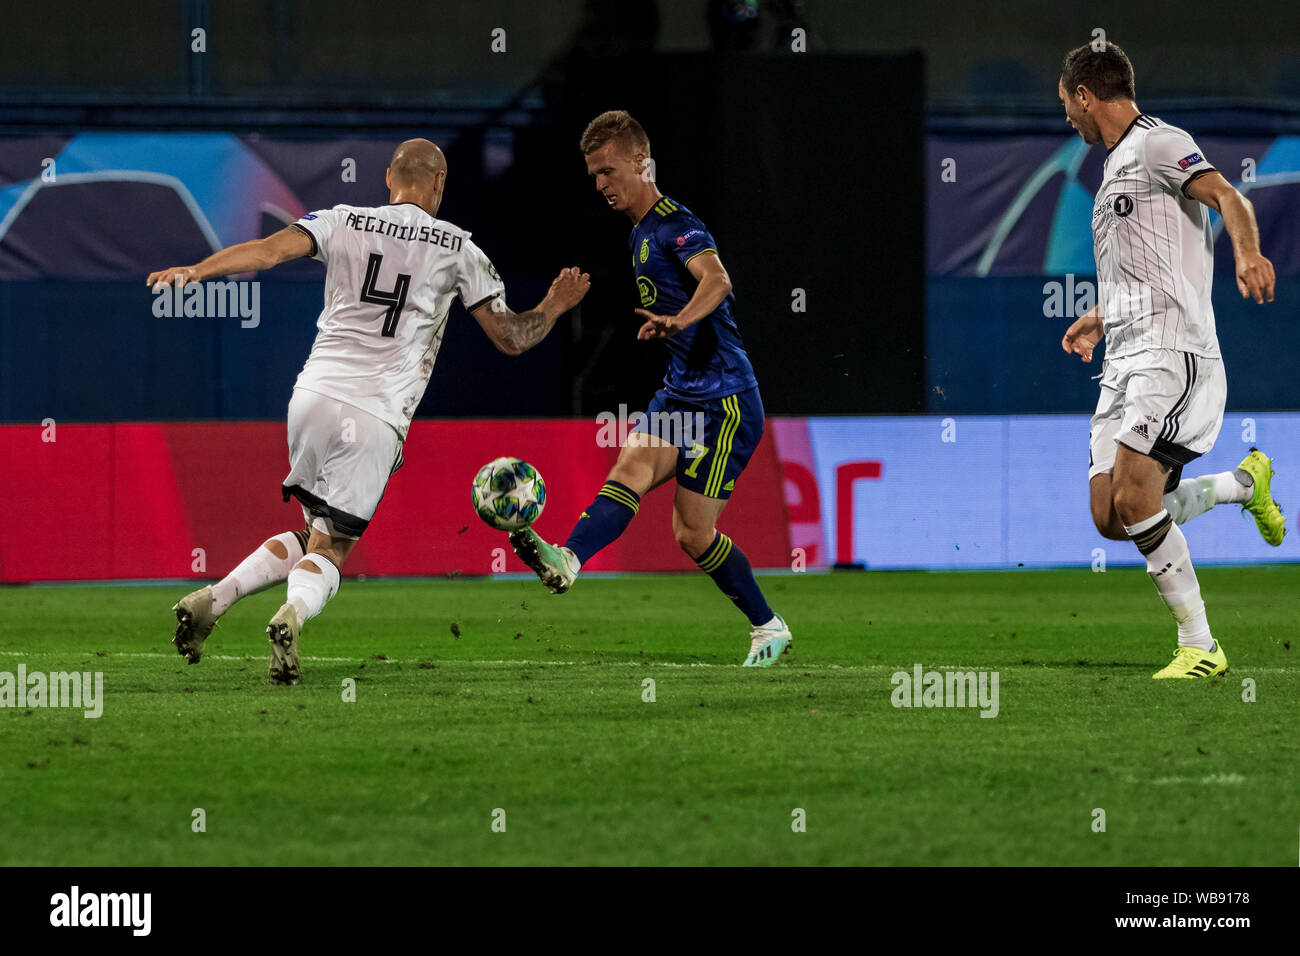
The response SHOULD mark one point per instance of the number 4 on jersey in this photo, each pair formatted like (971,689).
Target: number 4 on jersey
(395,300)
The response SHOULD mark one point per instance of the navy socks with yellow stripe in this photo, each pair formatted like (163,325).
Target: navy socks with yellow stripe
(604,520)
(613,510)
(730,570)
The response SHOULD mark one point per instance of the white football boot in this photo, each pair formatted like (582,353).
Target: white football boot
(283,634)
(768,642)
(194,622)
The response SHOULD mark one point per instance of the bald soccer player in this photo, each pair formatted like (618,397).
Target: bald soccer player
(391,273)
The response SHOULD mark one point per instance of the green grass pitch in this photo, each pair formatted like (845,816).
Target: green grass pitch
(479,695)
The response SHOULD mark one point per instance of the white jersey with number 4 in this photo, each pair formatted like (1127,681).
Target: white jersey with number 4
(391,273)
(1153,244)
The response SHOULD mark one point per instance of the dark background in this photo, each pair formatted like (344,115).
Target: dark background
(808,168)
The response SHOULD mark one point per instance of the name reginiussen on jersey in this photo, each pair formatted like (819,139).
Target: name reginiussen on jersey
(391,273)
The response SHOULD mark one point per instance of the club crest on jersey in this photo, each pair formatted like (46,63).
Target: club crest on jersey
(1188,161)
(648,291)
(645,249)
(1123,205)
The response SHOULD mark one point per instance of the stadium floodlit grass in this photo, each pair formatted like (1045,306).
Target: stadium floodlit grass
(473,695)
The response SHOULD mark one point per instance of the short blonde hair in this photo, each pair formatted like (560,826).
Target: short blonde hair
(611,125)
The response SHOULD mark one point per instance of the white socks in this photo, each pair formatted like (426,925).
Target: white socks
(1234,486)
(1169,566)
(309,591)
(259,570)
(1195,496)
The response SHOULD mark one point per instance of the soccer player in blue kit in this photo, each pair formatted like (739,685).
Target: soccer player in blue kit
(709,382)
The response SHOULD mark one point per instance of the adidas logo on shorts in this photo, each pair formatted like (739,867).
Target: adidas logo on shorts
(1141,429)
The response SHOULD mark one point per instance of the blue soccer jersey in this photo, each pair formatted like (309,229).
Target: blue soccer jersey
(707,360)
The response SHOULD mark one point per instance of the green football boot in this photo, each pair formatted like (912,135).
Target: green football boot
(556,566)
(1192,662)
(1268,516)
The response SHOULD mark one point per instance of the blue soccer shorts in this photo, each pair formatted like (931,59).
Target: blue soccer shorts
(714,437)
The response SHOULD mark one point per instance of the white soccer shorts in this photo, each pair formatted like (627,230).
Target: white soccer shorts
(1162,403)
(340,460)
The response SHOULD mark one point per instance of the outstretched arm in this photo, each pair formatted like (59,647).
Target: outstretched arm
(714,286)
(516,332)
(253,256)
(1254,272)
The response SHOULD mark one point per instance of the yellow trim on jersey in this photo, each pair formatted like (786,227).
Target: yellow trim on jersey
(730,424)
(700,253)
(665,207)
(621,496)
(709,565)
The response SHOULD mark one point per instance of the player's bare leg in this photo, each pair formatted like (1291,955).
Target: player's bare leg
(199,611)
(312,582)
(1137,487)
(645,462)
(1101,501)
(1246,485)
(695,526)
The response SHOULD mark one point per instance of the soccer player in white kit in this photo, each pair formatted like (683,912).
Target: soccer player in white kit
(1162,385)
(391,273)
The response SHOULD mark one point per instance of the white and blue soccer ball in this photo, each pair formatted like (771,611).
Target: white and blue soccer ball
(509,494)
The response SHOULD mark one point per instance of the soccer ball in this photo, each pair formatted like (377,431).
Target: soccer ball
(509,494)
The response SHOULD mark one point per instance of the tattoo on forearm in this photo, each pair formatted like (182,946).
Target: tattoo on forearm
(526,329)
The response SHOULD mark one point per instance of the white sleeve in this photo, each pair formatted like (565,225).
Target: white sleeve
(477,280)
(1174,159)
(320,226)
